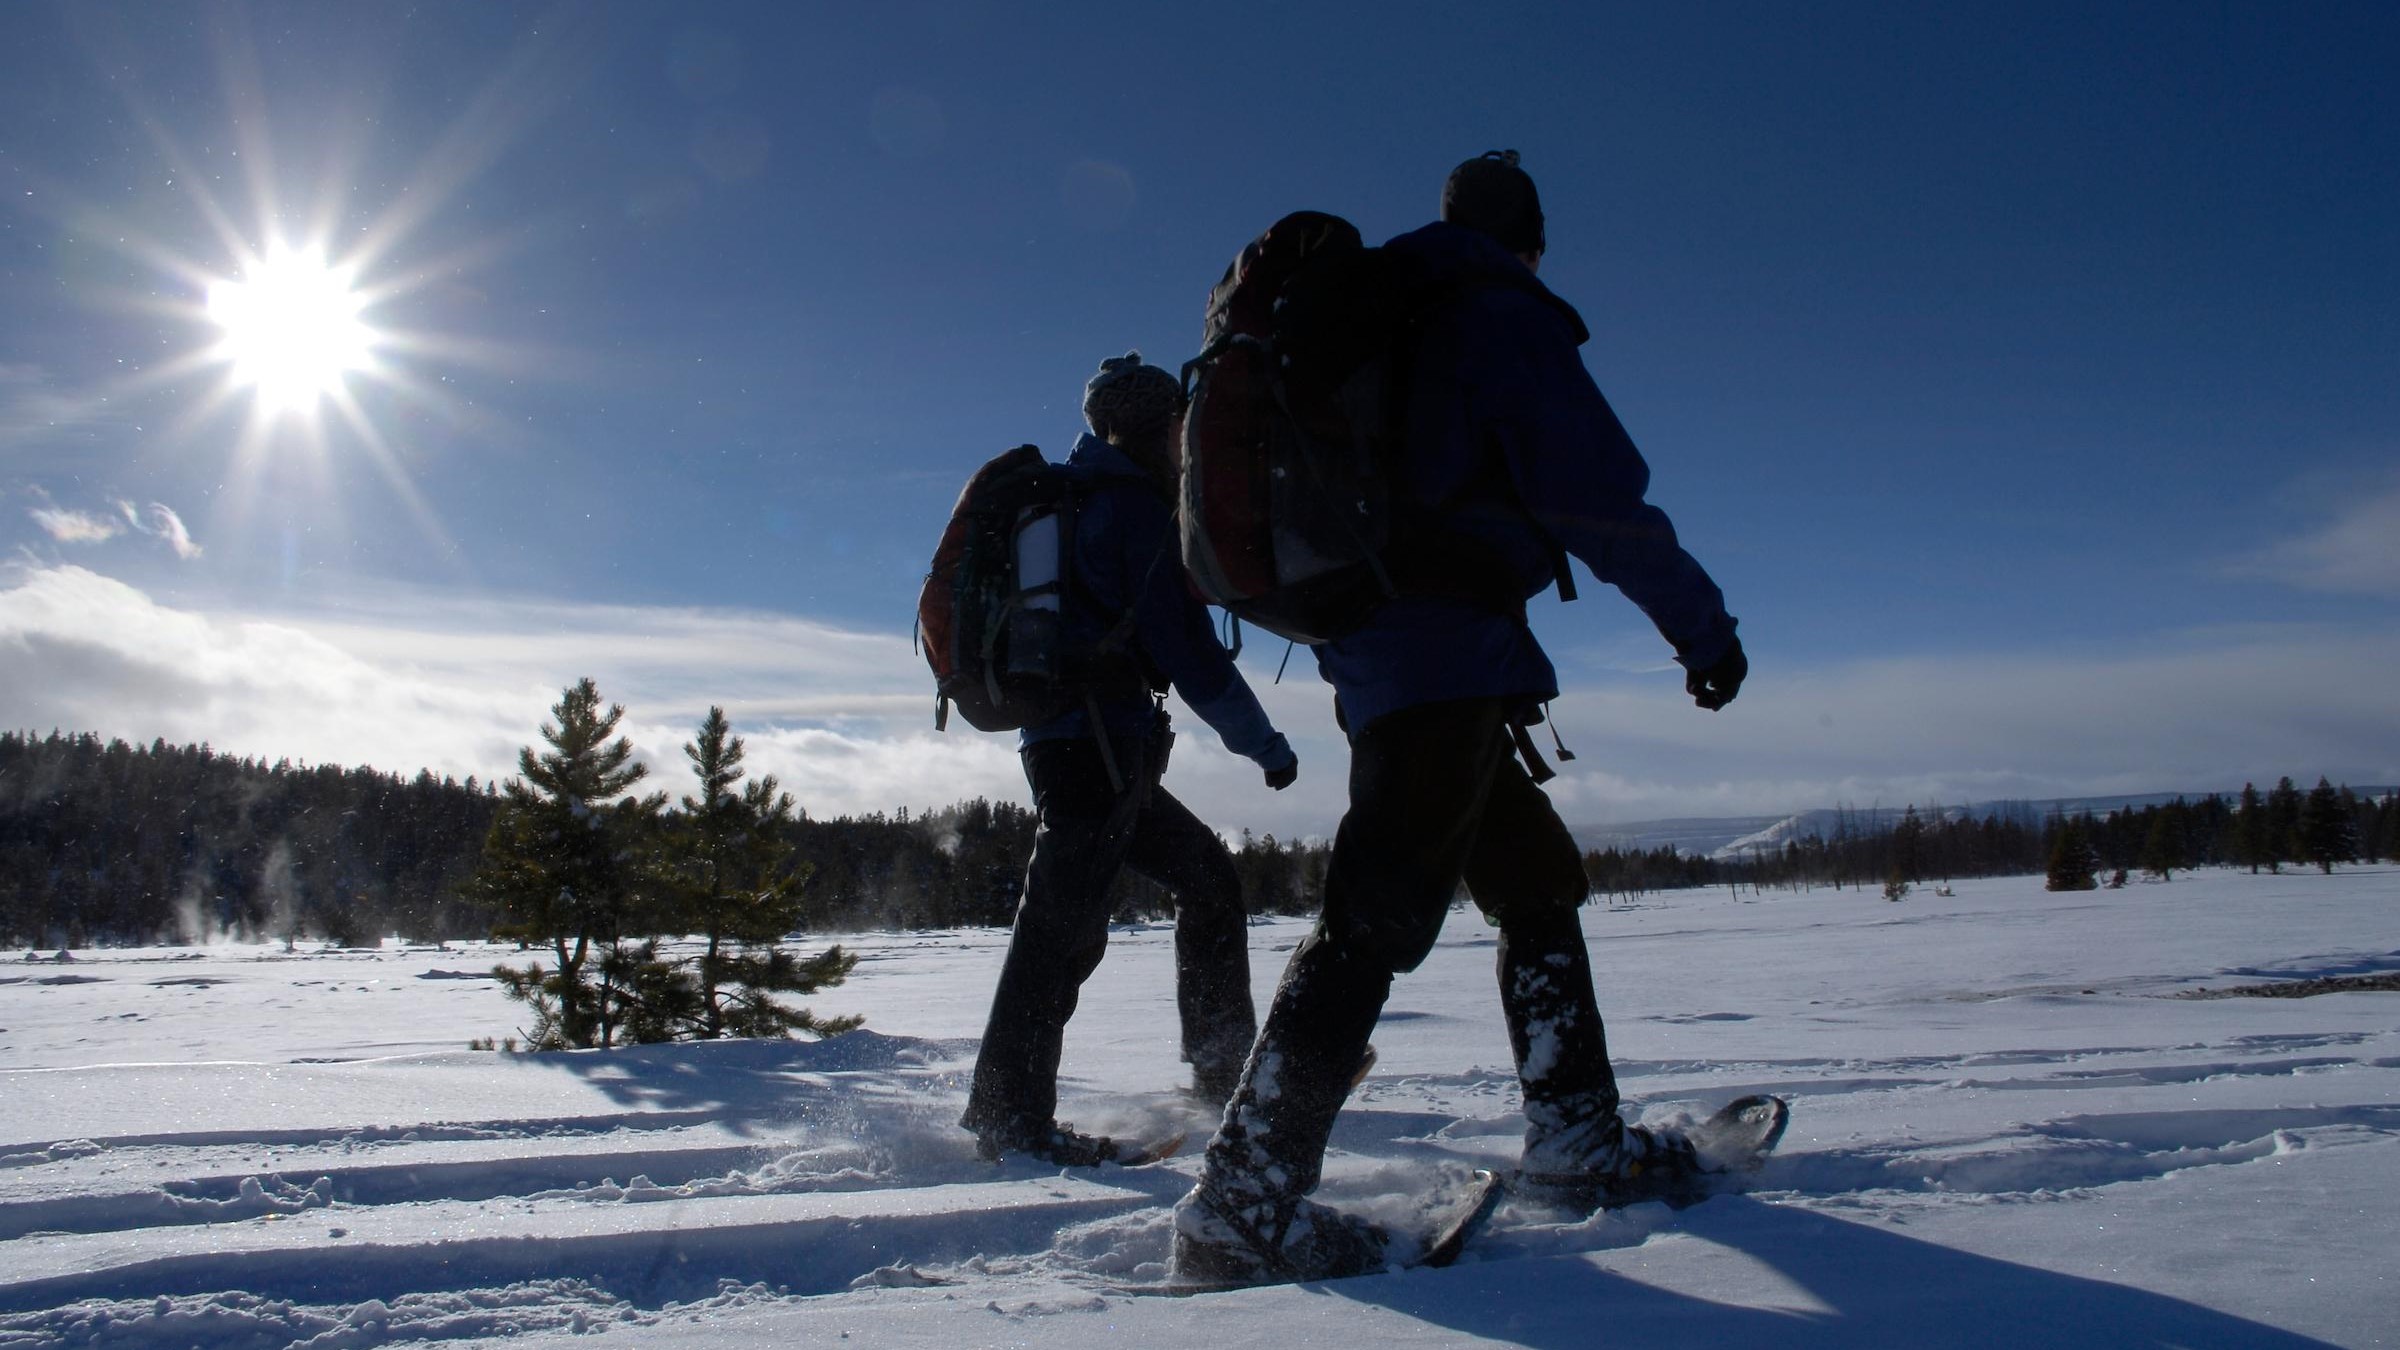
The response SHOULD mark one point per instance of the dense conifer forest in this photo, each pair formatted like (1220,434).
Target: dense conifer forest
(102,842)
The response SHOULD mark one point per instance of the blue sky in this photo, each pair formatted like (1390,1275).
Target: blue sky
(2029,376)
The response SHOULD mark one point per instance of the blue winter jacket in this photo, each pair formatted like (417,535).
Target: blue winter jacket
(1508,440)
(1125,554)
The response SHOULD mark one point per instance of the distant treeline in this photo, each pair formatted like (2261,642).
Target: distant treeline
(105,842)
(102,842)
(108,843)
(2272,830)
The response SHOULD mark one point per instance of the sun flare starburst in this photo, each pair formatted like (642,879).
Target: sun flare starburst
(307,321)
(292,328)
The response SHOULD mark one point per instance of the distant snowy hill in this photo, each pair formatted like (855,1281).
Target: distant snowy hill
(1737,836)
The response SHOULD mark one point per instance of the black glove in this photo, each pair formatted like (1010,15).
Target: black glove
(1279,779)
(1715,687)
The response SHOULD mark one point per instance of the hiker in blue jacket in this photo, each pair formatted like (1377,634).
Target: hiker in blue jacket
(1097,795)
(1510,450)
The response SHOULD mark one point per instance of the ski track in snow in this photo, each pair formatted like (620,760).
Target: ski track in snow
(1993,1078)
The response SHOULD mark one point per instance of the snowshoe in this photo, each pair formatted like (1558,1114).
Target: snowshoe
(1061,1145)
(1218,1248)
(1678,1167)
(1219,1245)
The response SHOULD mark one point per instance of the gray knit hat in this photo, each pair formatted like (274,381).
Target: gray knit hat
(1129,399)
(1492,194)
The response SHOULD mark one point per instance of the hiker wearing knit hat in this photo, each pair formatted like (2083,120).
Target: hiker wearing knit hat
(1493,194)
(1514,461)
(1100,805)
(1128,400)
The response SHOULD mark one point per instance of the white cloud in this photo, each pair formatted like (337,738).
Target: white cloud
(75,527)
(2356,551)
(162,522)
(456,683)
(80,651)
(159,521)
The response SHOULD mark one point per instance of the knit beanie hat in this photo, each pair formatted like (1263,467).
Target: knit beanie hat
(1490,193)
(1127,399)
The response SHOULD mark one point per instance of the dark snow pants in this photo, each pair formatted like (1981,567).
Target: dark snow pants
(1088,830)
(1436,797)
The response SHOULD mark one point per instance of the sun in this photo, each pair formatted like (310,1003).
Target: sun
(292,329)
(304,306)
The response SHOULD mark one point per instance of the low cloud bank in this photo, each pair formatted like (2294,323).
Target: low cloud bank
(409,680)
(2191,712)
(457,685)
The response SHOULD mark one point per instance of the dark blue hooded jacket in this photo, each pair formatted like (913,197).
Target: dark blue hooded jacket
(1125,554)
(1506,439)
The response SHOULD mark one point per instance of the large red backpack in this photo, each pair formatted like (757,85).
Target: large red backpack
(990,613)
(1292,515)
(1278,527)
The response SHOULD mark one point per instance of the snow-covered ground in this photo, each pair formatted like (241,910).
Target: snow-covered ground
(2004,1133)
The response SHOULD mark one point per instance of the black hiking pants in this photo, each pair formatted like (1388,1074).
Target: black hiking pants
(1087,830)
(1436,797)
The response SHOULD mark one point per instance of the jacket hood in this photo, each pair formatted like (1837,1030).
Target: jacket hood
(1099,456)
(1458,255)
(1093,455)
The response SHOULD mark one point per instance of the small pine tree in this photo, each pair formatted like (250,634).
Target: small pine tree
(1895,886)
(729,868)
(2074,866)
(557,864)
(2327,835)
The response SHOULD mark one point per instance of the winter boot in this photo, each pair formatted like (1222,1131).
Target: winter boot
(1213,1085)
(1228,1240)
(1049,1141)
(1554,1030)
(1603,1163)
(1248,1222)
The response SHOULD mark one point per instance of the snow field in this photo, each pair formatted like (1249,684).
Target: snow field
(2004,1132)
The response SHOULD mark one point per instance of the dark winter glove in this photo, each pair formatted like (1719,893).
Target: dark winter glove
(1715,687)
(1278,762)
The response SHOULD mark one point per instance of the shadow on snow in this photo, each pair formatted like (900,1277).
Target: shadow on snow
(1876,1287)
